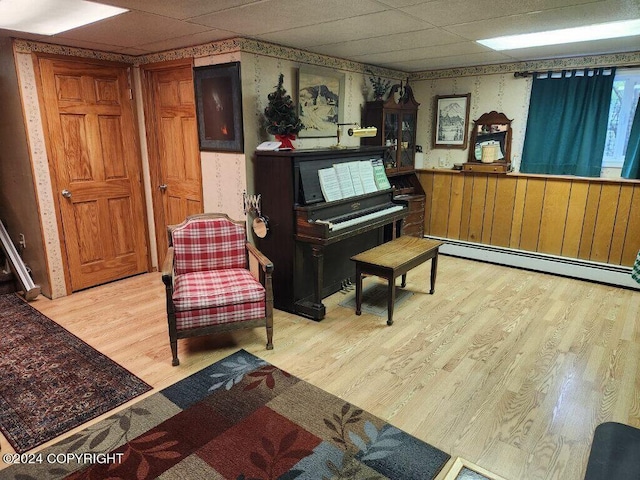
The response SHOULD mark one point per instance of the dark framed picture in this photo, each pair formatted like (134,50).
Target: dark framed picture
(451,121)
(320,101)
(219,107)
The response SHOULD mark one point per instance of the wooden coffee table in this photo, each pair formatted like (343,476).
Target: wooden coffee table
(392,259)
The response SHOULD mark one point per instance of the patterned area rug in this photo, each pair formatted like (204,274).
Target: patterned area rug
(374,299)
(242,419)
(51,380)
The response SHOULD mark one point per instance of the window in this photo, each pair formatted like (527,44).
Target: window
(624,99)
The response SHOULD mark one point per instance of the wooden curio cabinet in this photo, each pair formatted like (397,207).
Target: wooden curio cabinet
(396,120)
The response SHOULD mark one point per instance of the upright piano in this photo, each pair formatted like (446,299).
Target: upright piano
(310,241)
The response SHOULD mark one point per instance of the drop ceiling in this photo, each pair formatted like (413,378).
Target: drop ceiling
(406,35)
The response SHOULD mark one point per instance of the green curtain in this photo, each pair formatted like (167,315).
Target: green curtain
(631,166)
(567,124)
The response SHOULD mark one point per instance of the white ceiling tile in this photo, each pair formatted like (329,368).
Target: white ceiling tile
(178,9)
(403,3)
(455,49)
(449,62)
(348,29)
(601,12)
(358,30)
(452,12)
(276,15)
(389,43)
(132,29)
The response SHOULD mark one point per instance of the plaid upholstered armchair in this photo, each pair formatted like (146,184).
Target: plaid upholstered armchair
(215,280)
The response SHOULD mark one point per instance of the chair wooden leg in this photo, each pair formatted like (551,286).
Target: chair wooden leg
(269,337)
(174,351)
(269,326)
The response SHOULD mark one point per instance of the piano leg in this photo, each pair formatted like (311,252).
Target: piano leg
(358,289)
(314,309)
(318,271)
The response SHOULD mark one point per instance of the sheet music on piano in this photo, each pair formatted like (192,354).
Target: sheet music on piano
(367,177)
(329,184)
(380,176)
(354,170)
(344,180)
(349,179)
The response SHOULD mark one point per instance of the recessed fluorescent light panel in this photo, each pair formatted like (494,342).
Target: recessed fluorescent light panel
(48,17)
(600,31)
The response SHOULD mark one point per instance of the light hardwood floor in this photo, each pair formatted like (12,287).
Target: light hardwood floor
(507,368)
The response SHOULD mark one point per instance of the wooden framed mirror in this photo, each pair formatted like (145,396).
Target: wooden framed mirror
(490,142)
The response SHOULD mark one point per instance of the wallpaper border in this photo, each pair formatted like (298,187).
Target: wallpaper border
(231,45)
(606,60)
(302,56)
(29,46)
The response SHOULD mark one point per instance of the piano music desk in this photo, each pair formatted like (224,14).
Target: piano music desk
(392,259)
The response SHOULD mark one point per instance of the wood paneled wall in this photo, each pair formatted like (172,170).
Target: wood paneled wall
(591,219)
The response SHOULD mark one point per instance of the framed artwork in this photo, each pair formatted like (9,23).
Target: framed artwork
(451,121)
(462,469)
(320,101)
(219,107)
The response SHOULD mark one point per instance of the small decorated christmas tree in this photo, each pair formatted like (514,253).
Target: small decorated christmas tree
(281,116)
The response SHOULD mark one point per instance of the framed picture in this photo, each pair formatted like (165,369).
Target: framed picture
(451,122)
(462,469)
(320,101)
(219,107)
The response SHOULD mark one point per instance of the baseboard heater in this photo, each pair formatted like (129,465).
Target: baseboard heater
(568,267)
(19,269)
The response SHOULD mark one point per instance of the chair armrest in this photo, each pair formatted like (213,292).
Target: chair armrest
(265,263)
(167,268)
(263,275)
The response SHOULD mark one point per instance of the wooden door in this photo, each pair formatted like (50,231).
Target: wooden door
(174,154)
(95,157)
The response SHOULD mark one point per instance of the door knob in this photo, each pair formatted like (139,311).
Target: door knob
(66,193)
(163,187)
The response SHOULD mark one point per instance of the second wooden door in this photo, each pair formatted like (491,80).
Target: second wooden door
(174,154)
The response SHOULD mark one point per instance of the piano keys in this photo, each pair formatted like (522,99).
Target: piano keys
(310,241)
(349,220)
(326,220)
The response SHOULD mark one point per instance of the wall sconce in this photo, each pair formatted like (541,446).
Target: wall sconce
(358,131)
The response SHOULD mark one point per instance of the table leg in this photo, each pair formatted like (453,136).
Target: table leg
(434,269)
(404,280)
(392,300)
(358,289)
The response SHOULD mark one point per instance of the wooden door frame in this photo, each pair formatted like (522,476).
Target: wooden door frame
(153,149)
(36,57)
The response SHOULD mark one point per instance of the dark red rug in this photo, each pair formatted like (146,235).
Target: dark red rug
(241,419)
(51,381)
